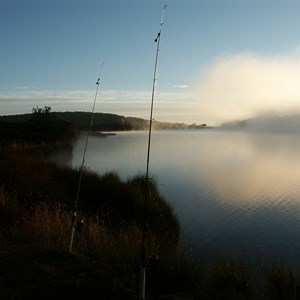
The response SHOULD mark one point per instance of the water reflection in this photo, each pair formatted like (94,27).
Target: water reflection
(250,169)
(229,189)
(239,168)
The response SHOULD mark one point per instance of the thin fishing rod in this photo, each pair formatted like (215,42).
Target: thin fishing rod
(83,160)
(146,188)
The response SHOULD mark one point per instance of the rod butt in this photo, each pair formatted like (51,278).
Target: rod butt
(142,286)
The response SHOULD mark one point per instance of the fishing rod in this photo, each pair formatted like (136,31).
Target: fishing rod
(142,283)
(75,223)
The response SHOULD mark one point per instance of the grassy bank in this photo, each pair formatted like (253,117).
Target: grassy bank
(34,263)
(36,201)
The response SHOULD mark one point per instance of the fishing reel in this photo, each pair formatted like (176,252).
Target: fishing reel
(79,225)
(153,261)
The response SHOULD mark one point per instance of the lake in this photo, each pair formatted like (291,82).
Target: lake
(231,190)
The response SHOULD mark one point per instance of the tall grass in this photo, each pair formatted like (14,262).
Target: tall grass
(231,276)
(120,203)
(36,204)
(116,252)
(112,256)
(281,280)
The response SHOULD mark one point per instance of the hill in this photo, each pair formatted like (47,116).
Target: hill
(104,121)
(40,127)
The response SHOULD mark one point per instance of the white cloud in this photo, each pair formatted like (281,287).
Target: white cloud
(181,86)
(168,106)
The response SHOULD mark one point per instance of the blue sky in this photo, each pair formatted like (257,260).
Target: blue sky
(218,61)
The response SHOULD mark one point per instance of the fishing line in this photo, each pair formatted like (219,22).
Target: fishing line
(83,160)
(143,247)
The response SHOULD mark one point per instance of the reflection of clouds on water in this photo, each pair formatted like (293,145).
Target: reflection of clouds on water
(228,188)
(255,169)
(233,167)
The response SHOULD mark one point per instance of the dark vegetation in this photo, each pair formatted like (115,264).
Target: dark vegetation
(104,121)
(36,203)
(40,127)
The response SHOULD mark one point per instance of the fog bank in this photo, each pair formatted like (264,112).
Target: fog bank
(244,85)
(289,124)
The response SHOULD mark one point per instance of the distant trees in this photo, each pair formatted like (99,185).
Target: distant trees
(42,126)
(41,114)
(45,127)
(39,111)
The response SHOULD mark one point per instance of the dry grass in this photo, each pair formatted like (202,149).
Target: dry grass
(47,225)
(105,254)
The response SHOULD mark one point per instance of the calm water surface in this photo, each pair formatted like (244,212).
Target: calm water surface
(231,190)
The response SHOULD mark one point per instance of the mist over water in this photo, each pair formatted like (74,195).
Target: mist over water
(242,85)
(288,123)
(230,189)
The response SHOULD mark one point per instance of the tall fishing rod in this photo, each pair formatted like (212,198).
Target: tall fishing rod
(142,283)
(74,218)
